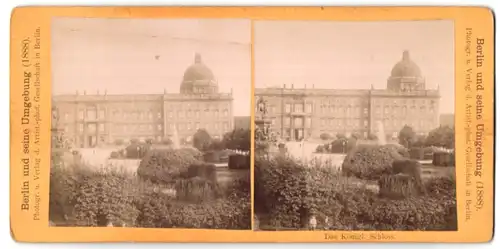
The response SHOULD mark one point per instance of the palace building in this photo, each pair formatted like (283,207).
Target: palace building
(302,113)
(91,120)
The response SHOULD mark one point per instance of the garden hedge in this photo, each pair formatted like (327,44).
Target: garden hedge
(81,197)
(370,162)
(417,153)
(165,166)
(239,161)
(287,193)
(196,190)
(203,170)
(398,186)
(443,158)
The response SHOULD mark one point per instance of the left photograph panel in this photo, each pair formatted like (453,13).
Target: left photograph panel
(150,123)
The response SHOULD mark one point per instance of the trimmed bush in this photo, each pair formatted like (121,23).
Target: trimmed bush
(429,153)
(417,153)
(156,211)
(325,136)
(198,155)
(136,150)
(103,197)
(211,157)
(196,190)
(221,214)
(239,187)
(441,186)
(280,190)
(64,184)
(370,162)
(339,146)
(239,162)
(203,170)
(442,158)
(287,193)
(114,155)
(153,208)
(165,166)
(321,149)
(426,214)
(411,168)
(398,186)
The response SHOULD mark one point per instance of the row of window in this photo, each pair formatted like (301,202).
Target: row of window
(388,123)
(351,110)
(355,123)
(297,122)
(92,114)
(415,124)
(357,101)
(430,102)
(180,127)
(403,110)
(198,113)
(289,108)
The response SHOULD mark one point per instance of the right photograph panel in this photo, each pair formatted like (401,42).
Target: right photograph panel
(354,126)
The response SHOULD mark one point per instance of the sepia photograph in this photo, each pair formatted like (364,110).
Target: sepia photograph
(150,123)
(354,126)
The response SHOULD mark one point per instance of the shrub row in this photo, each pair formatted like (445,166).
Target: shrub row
(159,212)
(341,145)
(398,186)
(443,158)
(88,198)
(288,193)
(370,162)
(166,166)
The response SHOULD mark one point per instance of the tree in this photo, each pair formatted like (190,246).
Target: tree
(443,136)
(202,140)
(325,136)
(406,136)
(238,139)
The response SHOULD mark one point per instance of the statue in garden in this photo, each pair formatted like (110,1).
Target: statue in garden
(262,107)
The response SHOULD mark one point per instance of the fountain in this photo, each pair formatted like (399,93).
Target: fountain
(175,139)
(381,133)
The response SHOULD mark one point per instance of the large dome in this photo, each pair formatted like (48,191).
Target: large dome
(406,67)
(198,78)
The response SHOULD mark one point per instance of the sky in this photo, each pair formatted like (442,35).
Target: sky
(146,56)
(353,55)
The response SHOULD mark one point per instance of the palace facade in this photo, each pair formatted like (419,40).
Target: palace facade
(91,120)
(302,113)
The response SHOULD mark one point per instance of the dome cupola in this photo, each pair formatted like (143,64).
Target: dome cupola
(406,75)
(198,78)
(406,67)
